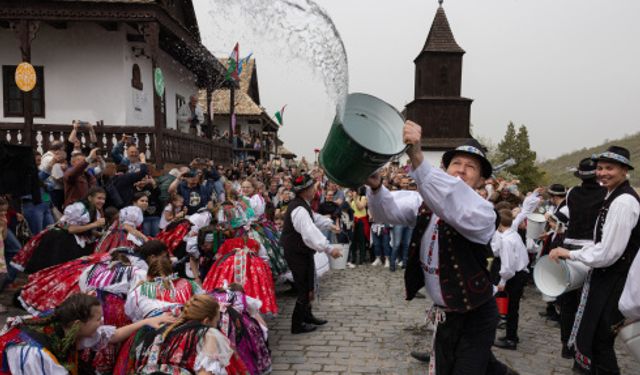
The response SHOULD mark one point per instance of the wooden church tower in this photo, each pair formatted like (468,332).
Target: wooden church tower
(437,105)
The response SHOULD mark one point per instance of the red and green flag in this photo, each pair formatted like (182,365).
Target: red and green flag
(279,115)
(234,59)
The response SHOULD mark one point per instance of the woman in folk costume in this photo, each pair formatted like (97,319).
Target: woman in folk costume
(192,345)
(47,289)
(237,261)
(162,292)
(240,209)
(241,322)
(174,236)
(71,238)
(126,231)
(616,242)
(49,346)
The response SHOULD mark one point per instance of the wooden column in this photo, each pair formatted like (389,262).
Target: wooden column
(151,33)
(232,109)
(26,31)
(209,112)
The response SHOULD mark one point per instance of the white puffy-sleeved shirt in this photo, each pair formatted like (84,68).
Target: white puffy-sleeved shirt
(199,220)
(131,215)
(629,304)
(33,360)
(451,200)
(513,254)
(528,206)
(77,214)
(258,204)
(213,354)
(310,228)
(621,219)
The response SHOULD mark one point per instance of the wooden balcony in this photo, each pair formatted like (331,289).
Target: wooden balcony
(175,147)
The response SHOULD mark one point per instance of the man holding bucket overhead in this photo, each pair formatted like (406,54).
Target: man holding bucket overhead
(616,242)
(448,250)
(300,239)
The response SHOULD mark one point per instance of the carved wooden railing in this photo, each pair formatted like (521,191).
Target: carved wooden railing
(176,147)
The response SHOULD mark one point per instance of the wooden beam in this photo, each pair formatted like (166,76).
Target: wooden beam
(25,32)
(151,33)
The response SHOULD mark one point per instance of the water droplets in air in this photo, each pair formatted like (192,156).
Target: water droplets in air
(297,30)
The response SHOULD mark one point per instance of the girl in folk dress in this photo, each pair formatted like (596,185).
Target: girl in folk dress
(174,236)
(127,230)
(190,345)
(47,289)
(237,261)
(4,206)
(161,292)
(49,346)
(71,238)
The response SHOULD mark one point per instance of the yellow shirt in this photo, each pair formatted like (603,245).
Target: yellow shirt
(359,213)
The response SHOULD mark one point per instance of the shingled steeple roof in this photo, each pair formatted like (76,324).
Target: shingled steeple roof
(440,38)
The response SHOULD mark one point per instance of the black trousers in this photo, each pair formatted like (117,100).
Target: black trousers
(568,308)
(515,288)
(303,268)
(464,340)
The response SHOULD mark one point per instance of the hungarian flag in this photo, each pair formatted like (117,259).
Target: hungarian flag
(280,114)
(232,70)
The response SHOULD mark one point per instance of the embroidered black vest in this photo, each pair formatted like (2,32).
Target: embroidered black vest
(464,279)
(584,203)
(623,264)
(290,239)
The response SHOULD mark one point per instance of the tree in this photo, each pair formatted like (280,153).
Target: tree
(516,145)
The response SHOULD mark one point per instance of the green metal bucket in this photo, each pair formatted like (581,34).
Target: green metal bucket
(367,136)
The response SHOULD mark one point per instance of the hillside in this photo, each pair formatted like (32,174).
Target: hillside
(558,169)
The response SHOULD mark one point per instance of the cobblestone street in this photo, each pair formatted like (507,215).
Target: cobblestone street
(372,330)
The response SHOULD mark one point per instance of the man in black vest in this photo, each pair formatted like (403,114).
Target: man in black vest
(583,204)
(301,238)
(448,250)
(615,244)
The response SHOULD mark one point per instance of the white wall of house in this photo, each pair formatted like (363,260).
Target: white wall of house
(87,76)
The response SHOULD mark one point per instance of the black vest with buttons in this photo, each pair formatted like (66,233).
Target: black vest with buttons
(623,264)
(584,203)
(464,278)
(290,239)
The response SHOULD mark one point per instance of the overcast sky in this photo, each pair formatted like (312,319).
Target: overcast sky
(567,69)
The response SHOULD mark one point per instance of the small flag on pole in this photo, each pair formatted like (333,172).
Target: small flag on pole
(243,63)
(232,70)
(279,115)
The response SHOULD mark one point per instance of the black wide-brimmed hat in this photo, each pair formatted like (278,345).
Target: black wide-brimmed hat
(586,169)
(557,189)
(303,182)
(615,154)
(473,148)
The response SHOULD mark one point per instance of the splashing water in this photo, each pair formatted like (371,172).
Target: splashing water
(297,29)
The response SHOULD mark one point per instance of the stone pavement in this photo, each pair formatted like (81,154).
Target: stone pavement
(372,330)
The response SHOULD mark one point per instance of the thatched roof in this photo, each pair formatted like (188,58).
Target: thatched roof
(245,105)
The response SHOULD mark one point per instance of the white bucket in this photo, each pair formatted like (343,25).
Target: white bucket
(554,279)
(322,263)
(340,263)
(535,225)
(630,335)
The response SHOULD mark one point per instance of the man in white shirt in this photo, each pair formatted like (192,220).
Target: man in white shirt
(448,251)
(301,238)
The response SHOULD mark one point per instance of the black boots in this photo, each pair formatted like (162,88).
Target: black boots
(303,320)
(309,318)
(298,318)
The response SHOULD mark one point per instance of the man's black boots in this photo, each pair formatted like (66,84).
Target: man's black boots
(298,324)
(309,318)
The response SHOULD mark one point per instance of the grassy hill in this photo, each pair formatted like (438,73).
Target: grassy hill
(557,170)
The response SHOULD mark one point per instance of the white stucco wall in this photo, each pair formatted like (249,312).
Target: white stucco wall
(87,76)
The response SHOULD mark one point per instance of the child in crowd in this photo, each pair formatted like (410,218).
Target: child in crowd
(174,210)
